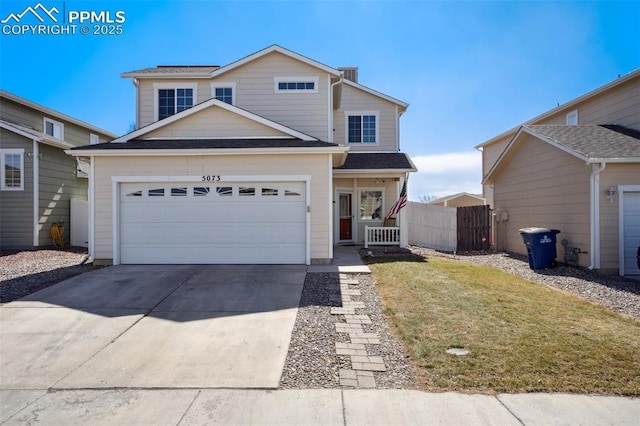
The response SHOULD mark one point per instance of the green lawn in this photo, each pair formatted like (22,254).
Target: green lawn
(521,336)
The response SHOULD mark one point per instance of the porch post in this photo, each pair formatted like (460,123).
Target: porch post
(400,218)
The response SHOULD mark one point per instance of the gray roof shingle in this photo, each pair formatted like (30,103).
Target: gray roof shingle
(593,141)
(136,144)
(376,161)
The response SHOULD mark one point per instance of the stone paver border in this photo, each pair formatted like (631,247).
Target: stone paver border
(363,365)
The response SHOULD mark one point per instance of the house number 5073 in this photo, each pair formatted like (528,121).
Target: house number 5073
(211,178)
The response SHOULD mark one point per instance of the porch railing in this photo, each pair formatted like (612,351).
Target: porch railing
(381,236)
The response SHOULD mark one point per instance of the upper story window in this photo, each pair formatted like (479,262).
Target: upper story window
(54,128)
(225,92)
(295,84)
(572,118)
(362,127)
(94,139)
(12,169)
(171,98)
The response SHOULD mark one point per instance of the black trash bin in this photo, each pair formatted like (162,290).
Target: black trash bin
(541,246)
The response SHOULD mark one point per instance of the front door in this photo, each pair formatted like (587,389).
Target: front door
(346,216)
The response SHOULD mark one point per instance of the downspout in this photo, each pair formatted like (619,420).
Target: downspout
(136,83)
(331,105)
(595,215)
(36,193)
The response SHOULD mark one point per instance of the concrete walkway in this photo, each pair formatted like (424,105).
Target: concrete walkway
(56,388)
(308,407)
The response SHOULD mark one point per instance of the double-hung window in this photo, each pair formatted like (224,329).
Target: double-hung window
(54,128)
(362,127)
(12,171)
(225,92)
(171,99)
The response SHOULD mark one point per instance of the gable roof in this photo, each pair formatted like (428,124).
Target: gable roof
(53,113)
(568,106)
(279,49)
(591,143)
(207,104)
(33,134)
(199,144)
(454,196)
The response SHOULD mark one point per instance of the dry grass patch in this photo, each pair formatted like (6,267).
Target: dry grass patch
(521,336)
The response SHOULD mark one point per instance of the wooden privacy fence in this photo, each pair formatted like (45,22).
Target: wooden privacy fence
(474,228)
(449,229)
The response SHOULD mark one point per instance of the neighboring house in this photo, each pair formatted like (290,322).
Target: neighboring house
(462,199)
(575,168)
(273,158)
(37,178)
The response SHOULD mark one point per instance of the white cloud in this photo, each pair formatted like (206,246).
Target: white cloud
(445,174)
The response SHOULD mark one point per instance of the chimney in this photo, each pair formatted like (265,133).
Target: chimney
(350,73)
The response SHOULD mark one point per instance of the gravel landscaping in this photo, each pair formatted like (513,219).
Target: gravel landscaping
(312,361)
(25,272)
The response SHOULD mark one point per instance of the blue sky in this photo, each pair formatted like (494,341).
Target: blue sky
(469,70)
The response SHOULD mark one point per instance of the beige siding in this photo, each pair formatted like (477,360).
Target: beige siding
(305,112)
(460,201)
(356,100)
(146,97)
(214,121)
(613,175)
(314,165)
(58,184)
(620,105)
(542,186)
(16,207)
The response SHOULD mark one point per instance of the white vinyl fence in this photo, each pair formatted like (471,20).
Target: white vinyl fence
(432,226)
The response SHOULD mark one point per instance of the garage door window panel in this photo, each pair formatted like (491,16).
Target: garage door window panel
(178,192)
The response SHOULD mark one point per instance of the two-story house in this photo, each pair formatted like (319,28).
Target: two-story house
(37,179)
(575,168)
(273,158)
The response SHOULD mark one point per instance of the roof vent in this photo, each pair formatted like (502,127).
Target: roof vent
(350,73)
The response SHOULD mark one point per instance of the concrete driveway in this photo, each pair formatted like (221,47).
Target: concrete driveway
(153,327)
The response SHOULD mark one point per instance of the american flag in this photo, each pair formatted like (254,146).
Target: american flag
(402,201)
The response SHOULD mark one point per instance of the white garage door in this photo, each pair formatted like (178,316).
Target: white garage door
(631,231)
(213,223)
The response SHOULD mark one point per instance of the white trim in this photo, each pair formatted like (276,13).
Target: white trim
(397,129)
(621,190)
(306,79)
(329,112)
(336,214)
(3,153)
(93,136)
(330,190)
(270,49)
(569,117)
(116,182)
(371,172)
(594,188)
(36,194)
(92,198)
(206,104)
(348,114)
(54,123)
(359,207)
(176,85)
(224,85)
